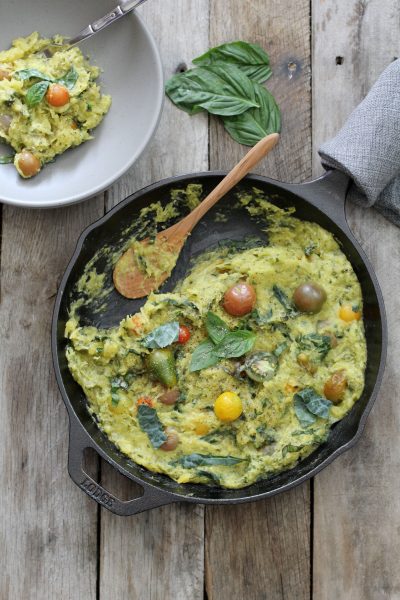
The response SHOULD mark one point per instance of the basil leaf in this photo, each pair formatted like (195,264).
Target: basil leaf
(204,356)
(250,58)
(6,159)
(308,405)
(304,416)
(36,93)
(284,300)
(235,344)
(216,327)
(25,74)
(69,79)
(151,424)
(321,344)
(253,125)
(219,90)
(191,461)
(162,336)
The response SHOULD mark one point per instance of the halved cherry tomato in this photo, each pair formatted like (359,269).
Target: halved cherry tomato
(184,334)
(57,95)
(145,400)
(239,299)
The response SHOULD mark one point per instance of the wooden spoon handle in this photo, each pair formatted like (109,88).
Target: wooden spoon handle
(252,158)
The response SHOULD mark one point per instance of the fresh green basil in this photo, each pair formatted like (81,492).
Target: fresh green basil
(219,90)
(162,336)
(25,74)
(284,300)
(191,461)
(235,344)
(250,58)
(253,125)
(151,424)
(216,327)
(36,93)
(6,159)
(308,405)
(69,79)
(204,356)
(320,344)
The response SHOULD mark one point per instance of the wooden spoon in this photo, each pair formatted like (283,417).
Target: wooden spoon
(133,282)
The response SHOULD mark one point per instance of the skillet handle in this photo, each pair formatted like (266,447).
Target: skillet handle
(328,193)
(79,440)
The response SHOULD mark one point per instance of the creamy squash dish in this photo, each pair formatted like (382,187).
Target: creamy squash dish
(47,103)
(240,372)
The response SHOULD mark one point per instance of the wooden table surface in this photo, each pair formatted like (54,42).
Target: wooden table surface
(336,537)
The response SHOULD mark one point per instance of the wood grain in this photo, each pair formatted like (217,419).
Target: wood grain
(48,528)
(357,508)
(159,555)
(262,550)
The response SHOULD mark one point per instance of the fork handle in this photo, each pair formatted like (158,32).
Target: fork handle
(123,8)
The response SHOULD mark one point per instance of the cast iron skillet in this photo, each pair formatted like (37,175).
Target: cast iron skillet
(321,201)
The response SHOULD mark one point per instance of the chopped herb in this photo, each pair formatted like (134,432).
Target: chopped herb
(162,336)
(284,300)
(321,344)
(151,424)
(191,461)
(308,405)
(308,250)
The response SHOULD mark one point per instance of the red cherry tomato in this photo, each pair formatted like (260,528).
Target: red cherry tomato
(239,299)
(145,400)
(57,95)
(184,334)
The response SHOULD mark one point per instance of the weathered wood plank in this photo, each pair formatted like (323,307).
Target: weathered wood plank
(262,550)
(47,526)
(160,554)
(357,510)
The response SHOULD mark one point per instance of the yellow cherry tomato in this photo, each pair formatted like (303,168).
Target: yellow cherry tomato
(346,313)
(228,407)
(201,429)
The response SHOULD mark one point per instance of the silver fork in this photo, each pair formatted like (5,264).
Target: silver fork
(122,9)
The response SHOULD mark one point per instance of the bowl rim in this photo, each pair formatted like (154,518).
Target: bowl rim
(94,190)
(78,431)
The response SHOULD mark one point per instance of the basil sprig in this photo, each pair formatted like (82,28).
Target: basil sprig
(36,92)
(219,90)
(222,343)
(227,82)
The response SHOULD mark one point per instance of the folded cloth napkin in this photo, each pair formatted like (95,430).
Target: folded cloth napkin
(367,148)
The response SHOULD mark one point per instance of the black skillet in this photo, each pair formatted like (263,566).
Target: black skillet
(321,201)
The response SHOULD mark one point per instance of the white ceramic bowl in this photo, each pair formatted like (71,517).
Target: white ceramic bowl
(132,74)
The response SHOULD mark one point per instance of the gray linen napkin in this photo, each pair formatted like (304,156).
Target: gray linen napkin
(367,147)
